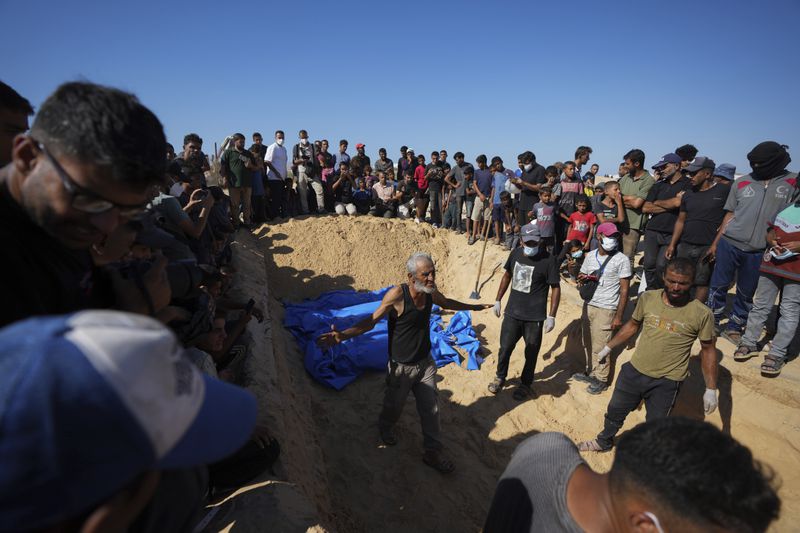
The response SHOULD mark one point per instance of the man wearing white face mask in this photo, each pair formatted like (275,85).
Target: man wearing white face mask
(530,270)
(276,161)
(602,314)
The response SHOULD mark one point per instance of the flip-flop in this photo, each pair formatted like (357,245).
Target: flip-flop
(443,466)
(591,446)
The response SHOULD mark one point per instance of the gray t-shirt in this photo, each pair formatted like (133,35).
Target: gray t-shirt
(532,492)
(457,172)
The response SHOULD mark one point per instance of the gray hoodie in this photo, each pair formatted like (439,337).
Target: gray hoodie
(754,205)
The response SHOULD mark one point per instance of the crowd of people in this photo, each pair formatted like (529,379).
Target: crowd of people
(119,249)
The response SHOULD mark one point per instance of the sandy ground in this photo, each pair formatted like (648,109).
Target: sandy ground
(357,485)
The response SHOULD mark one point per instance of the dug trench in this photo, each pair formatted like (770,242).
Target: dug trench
(331,450)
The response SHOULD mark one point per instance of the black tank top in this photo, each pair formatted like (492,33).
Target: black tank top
(409,333)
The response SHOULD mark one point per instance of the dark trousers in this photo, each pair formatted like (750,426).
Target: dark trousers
(277,199)
(655,246)
(632,387)
(510,332)
(436,206)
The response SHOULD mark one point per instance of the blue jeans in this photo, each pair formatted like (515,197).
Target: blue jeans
(732,264)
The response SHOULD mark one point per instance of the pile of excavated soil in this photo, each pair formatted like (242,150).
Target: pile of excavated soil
(369,487)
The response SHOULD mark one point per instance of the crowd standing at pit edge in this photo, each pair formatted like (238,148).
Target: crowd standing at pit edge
(120,269)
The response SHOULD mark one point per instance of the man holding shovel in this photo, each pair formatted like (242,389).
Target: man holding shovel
(530,270)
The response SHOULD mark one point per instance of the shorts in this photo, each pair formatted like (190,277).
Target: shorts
(478,211)
(694,252)
(497,213)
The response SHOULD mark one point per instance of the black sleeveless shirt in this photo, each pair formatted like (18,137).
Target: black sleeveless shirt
(409,333)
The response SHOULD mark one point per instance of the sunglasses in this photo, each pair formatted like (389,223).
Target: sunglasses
(85,200)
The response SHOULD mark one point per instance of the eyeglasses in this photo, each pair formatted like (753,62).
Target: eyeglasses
(85,200)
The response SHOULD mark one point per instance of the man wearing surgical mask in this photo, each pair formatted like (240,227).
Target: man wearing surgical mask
(602,315)
(276,162)
(530,270)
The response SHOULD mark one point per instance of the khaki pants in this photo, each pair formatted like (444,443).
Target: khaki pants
(419,378)
(596,333)
(630,241)
(303,182)
(240,195)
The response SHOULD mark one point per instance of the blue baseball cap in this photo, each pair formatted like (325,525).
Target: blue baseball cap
(90,401)
(700,162)
(668,158)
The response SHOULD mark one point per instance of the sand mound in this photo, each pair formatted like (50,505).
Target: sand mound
(361,486)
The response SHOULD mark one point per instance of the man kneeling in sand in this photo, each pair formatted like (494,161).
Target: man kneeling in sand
(411,367)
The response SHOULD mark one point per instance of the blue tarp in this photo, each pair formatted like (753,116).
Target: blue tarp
(343,363)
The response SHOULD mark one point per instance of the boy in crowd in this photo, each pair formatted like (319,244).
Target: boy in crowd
(510,224)
(581,222)
(343,188)
(544,213)
(421,177)
(484,189)
(602,314)
(435,177)
(499,178)
(406,194)
(567,191)
(362,197)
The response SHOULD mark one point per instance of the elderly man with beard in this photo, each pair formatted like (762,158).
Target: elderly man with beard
(411,368)
(672,321)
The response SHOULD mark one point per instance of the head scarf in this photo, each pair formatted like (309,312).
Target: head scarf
(768,160)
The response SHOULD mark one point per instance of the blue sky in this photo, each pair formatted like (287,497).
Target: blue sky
(495,78)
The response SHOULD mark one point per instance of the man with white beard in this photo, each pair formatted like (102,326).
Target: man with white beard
(411,367)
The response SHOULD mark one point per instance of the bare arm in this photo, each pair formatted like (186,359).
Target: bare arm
(712,250)
(627,331)
(446,303)
(555,299)
(624,286)
(504,281)
(633,202)
(708,362)
(677,231)
(390,300)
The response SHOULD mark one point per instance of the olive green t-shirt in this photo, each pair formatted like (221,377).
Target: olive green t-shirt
(628,186)
(665,344)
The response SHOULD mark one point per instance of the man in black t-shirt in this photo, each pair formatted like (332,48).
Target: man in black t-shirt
(701,213)
(530,270)
(663,202)
(529,182)
(435,175)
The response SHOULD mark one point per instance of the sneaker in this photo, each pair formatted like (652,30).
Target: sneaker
(584,378)
(416,220)
(522,393)
(435,225)
(496,385)
(596,387)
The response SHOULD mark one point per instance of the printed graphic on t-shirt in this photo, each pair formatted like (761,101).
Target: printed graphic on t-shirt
(580,225)
(523,275)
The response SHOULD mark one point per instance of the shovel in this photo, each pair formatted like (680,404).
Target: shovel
(475,294)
